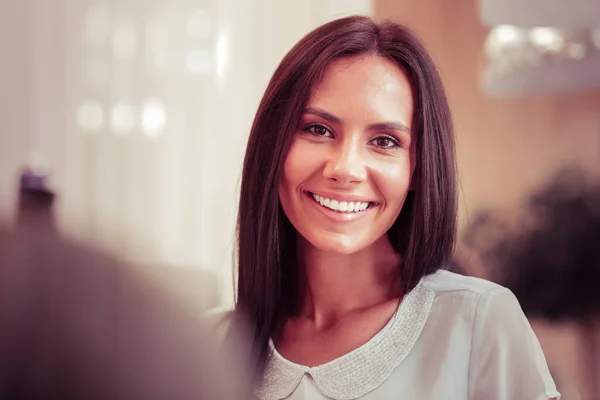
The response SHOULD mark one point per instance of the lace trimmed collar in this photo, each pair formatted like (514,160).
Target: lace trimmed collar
(363,369)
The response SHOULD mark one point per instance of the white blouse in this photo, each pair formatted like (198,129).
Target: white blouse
(452,337)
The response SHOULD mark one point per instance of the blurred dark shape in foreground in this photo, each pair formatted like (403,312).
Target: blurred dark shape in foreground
(36,201)
(77,325)
(552,260)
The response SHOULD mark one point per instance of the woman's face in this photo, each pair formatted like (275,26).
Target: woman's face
(351,162)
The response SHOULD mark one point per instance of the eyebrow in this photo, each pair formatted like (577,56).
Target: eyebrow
(388,125)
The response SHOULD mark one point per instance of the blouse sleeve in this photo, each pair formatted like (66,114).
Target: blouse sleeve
(507,361)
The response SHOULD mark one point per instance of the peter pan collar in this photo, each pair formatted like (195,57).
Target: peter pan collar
(363,369)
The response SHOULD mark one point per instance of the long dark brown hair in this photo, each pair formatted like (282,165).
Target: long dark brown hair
(425,230)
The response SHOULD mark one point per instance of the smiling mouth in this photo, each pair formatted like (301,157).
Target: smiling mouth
(347,207)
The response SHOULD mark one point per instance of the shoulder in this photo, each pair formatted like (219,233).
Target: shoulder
(219,315)
(220,320)
(229,327)
(444,282)
(232,345)
(483,303)
(506,359)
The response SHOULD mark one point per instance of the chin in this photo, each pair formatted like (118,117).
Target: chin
(338,244)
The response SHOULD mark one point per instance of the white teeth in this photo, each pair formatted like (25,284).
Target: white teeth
(342,206)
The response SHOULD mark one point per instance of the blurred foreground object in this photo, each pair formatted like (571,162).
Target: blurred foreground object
(36,201)
(538,47)
(77,325)
(551,260)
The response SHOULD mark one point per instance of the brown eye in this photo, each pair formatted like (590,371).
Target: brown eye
(386,142)
(319,130)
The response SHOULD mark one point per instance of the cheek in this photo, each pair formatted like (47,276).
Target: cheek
(291,170)
(393,181)
(301,163)
(293,176)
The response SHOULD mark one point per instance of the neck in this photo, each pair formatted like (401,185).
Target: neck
(337,284)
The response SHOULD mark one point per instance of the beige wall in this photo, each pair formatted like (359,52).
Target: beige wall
(505,147)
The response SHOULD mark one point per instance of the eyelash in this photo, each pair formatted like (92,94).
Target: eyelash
(310,128)
(395,143)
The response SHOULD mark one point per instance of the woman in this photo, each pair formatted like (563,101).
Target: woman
(347,213)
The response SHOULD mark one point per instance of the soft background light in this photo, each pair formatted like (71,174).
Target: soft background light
(540,46)
(141,111)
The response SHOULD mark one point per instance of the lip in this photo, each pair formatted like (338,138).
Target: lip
(337,216)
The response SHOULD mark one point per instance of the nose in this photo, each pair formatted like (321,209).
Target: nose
(347,163)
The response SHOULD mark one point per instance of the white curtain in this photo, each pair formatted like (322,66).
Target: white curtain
(140,110)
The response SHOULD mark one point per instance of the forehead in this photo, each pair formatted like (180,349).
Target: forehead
(364,82)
